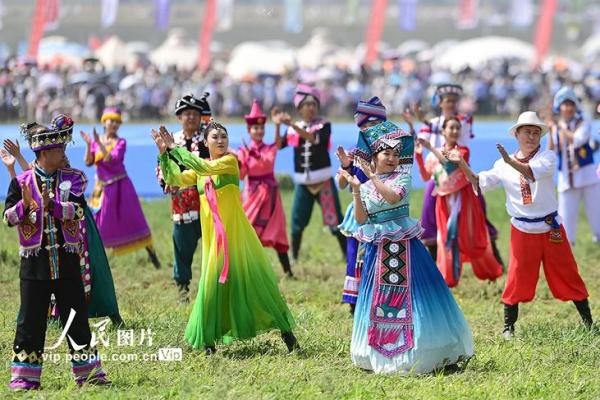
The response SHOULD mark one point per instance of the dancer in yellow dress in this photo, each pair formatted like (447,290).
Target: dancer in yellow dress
(238,296)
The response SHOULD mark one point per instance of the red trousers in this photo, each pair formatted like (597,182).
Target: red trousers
(527,252)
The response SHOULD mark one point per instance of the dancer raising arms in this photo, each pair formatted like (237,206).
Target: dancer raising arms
(238,296)
(261,198)
(46,204)
(460,219)
(119,215)
(406,319)
(536,235)
(311,139)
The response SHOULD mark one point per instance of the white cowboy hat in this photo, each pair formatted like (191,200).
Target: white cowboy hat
(528,118)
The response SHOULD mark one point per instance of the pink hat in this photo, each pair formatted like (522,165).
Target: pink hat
(303,91)
(256,116)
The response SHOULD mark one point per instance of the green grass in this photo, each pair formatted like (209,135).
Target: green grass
(552,357)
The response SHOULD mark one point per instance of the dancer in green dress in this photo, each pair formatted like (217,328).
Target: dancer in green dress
(238,297)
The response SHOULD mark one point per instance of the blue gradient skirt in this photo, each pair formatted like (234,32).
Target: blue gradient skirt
(441,334)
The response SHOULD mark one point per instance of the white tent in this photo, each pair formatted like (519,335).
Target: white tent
(175,50)
(254,58)
(115,53)
(476,53)
(591,48)
(316,50)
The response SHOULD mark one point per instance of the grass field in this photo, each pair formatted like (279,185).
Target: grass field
(552,357)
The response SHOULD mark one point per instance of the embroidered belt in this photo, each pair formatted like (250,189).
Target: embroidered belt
(550,219)
(269,179)
(111,180)
(186,217)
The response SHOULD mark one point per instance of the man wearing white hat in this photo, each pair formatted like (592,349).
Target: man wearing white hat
(578,183)
(537,236)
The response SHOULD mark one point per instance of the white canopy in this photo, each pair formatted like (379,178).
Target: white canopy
(254,58)
(114,53)
(175,50)
(475,53)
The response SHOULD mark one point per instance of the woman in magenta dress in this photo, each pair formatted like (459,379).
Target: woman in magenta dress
(121,222)
(261,198)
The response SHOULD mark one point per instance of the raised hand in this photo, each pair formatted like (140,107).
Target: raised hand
(503,153)
(453,156)
(419,112)
(158,140)
(96,136)
(407,116)
(26,195)
(285,118)
(45,196)
(86,138)
(7,158)
(364,167)
(342,156)
(166,137)
(276,114)
(353,181)
(424,143)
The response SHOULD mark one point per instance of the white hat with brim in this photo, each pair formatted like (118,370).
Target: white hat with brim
(528,118)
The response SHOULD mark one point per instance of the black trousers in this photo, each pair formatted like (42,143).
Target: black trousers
(33,316)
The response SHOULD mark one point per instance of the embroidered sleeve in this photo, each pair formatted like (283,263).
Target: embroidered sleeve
(226,165)
(66,211)
(14,210)
(490,179)
(173,175)
(582,134)
(400,183)
(544,165)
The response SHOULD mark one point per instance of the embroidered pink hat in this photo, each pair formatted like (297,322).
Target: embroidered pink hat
(256,116)
(303,91)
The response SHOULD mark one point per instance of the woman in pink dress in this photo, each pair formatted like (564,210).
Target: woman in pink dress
(119,215)
(261,198)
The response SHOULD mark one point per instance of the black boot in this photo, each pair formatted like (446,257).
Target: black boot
(511,313)
(296,242)
(285,263)
(342,242)
(497,254)
(184,293)
(583,307)
(117,321)
(352,308)
(210,350)
(153,258)
(432,248)
(290,341)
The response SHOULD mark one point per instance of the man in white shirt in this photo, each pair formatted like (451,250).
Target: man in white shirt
(537,235)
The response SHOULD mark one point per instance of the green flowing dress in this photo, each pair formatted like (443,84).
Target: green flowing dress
(103,302)
(249,302)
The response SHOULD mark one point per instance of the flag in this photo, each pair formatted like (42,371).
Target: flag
(208,26)
(407,14)
(467,14)
(375,29)
(293,16)
(521,13)
(543,30)
(109,12)
(161,14)
(224,15)
(37,29)
(52,15)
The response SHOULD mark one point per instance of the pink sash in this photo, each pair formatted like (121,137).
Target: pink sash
(222,244)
